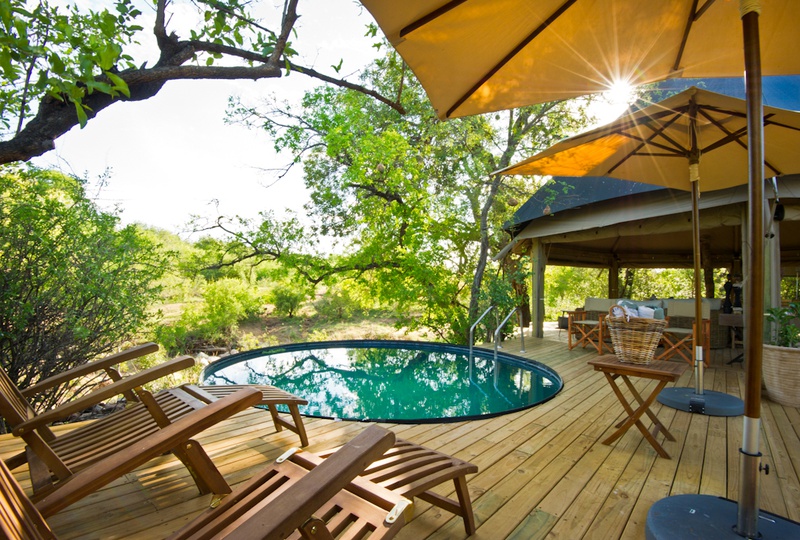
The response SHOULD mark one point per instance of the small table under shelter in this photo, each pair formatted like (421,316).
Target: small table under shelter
(661,371)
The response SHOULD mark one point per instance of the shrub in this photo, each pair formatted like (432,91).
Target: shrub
(338,303)
(73,285)
(214,322)
(287,299)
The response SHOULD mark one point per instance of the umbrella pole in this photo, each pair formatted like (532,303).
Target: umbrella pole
(750,456)
(699,364)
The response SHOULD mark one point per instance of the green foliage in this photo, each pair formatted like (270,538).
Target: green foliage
(498,290)
(214,322)
(63,53)
(73,285)
(784,333)
(790,287)
(229,300)
(567,287)
(407,202)
(287,298)
(338,303)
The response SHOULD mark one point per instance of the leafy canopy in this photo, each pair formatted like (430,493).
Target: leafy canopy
(404,206)
(63,65)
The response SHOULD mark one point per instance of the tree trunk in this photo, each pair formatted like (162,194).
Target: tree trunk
(483,254)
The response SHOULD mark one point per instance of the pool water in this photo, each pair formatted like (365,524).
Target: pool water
(393,381)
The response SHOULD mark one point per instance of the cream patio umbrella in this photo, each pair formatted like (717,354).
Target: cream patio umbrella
(476,56)
(693,141)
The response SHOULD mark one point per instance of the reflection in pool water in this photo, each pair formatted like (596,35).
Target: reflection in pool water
(398,381)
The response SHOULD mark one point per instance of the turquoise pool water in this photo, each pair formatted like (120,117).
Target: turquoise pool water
(394,381)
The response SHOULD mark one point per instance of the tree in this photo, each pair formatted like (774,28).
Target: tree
(407,204)
(72,285)
(68,64)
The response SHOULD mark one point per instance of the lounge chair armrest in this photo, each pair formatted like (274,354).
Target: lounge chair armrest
(105,392)
(101,473)
(300,500)
(90,367)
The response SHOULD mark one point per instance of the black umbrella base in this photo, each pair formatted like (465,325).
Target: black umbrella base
(709,518)
(709,403)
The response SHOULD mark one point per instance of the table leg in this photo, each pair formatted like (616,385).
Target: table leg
(659,427)
(634,415)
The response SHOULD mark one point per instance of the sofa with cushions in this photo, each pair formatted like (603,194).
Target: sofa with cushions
(679,311)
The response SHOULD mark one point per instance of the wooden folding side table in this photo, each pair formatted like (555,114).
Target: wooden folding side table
(661,371)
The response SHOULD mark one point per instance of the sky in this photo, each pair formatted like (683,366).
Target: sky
(173,156)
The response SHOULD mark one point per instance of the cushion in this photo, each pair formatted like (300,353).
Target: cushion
(685,308)
(647,312)
(653,303)
(598,304)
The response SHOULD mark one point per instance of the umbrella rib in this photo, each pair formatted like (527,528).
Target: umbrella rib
(735,136)
(432,16)
(730,136)
(619,127)
(694,15)
(678,150)
(676,146)
(541,28)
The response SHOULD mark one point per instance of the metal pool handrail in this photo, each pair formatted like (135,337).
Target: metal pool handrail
(472,334)
(500,328)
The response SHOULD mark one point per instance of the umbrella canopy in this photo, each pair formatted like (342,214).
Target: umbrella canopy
(476,56)
(655,145)
(694,141)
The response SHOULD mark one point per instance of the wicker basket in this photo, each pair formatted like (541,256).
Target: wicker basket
(635,340)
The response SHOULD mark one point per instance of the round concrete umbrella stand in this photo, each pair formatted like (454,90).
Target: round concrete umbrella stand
(709,518)
(709,402)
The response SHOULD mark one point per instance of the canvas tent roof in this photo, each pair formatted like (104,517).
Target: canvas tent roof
(650,229)
(569,193)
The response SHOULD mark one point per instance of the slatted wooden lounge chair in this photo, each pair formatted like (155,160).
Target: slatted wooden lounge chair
(412,470)
(272,397)
(274,504)
(107,364)
(265,507)
(52,459)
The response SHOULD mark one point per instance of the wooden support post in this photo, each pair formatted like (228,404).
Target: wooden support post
(538,265)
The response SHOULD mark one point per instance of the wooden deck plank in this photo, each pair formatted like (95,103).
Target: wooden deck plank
(543,471)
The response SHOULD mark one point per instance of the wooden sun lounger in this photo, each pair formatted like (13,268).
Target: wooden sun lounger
(273,505)
(108,364)
(411,470)
(53,460)
(271,397)
(298,493)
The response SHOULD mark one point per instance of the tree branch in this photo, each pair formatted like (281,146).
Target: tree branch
(57,116)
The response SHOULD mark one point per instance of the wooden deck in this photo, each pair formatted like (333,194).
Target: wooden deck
(543,472)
